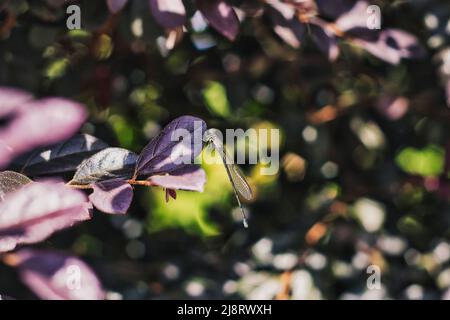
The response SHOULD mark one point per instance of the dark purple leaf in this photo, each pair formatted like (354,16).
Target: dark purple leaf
(55,3)
(37,210)
(221,16)
(190,178)
(110,163)
(439,185)
(38,123)
(168,14)
(115,6)
(12,99)
(447,92)
(56,276)
(334,8)
(447,159)
(62,157)
(112,196)
(170,193)
(325,40)
(444,190)
(161,154)
(11,181)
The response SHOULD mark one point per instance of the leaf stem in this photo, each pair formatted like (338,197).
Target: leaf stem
(141,183)
(145,183)
(79,186)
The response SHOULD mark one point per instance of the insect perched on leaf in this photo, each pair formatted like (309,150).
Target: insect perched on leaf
(237,178)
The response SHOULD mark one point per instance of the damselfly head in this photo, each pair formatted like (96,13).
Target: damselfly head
(211,135)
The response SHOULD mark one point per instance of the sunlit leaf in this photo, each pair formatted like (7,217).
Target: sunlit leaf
(428,161)
(11,181)
(56,69)
(180,138)
(216,99)
(190,178)
(107,164)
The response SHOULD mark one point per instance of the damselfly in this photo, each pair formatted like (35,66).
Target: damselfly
(237,178)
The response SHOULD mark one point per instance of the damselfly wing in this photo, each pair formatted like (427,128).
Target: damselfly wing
(237,178)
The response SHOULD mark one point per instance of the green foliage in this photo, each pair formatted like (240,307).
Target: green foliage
(361,179)
(190,210)
(426,162)
(216,100)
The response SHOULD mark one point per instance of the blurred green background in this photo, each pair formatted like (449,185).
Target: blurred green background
(357,185)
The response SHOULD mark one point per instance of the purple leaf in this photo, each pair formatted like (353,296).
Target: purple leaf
(221,16)
(110,163)
(334,8)
(170,193)
(112,196)
(190,178)
(287,11)
(12,99)
(11,181)
(38,123)
(56,276)
(356,17)
(378,49)
(286,25)
(115,6)
(325,40)
(63,157)
(181,136)
(392,107)
(390,45)
(37,210)
(168,14)
(405,43)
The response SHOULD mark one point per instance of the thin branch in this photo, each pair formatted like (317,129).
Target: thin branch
(145,183)
(79,186)
(141,183)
